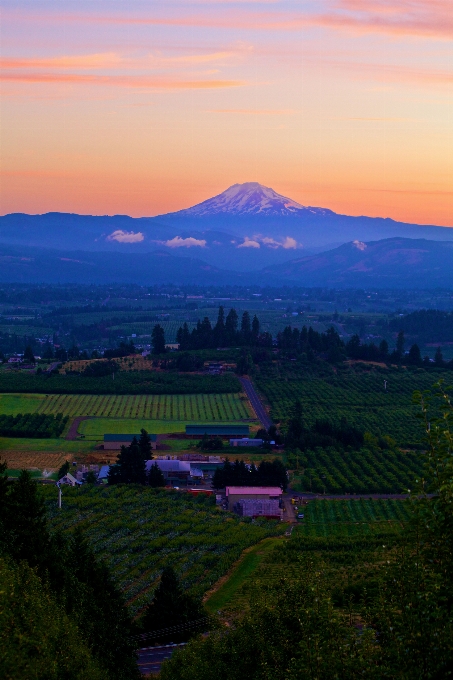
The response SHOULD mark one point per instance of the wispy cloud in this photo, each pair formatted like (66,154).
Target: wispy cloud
(255,112)
(178,242)
(426,18)
(126,236)
(139,82)
(249,243)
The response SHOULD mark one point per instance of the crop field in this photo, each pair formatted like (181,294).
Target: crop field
(175,407)
(360,398)
(131,363)
(26,460)
(344,541)
(138,531)
(361,471)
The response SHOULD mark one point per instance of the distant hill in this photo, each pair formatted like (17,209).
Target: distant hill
(40,265)
(390,263)
(245,228)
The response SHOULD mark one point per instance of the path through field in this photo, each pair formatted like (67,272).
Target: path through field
(73,429)
(256,403)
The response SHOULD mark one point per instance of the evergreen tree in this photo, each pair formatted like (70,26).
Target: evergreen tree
(144,444)
(155,476)
(245,328)
(25,522)
(400,342)
(171,605)
(231,326)
(438,358)
(158,339)
(63,470)
(130,467)
(255,329)
(384,349)
(414,356)
(29,357)
(183,337)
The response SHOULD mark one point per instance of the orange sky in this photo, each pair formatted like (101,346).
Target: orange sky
(150,107)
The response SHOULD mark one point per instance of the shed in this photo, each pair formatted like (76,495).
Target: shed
(245,441)
(225,431)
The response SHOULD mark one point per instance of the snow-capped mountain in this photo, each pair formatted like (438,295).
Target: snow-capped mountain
(250,198)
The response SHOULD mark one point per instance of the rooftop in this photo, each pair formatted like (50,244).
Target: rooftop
(253,490)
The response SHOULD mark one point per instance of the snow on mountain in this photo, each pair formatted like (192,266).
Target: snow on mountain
(250,198)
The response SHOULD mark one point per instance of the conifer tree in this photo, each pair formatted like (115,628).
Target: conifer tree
(155,476)
(144,444)
(171,606)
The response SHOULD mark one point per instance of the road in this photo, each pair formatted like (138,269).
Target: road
(53,366)
(255,401)
(150,659)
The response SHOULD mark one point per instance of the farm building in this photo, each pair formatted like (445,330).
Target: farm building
(245,441)
(224,431)
(175,472)
(235,494)
(113,442)
(69,480)
(249,507)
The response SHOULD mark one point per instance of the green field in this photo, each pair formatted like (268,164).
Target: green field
(344,542)
(138,531)
(171,407)
(97,427)
(50,445)
(360,397)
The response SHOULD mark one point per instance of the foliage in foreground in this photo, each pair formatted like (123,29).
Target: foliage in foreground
(396,621)
(60,575)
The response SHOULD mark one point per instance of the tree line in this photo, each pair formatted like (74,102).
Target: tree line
(268,473)
(33,425)
(226,332)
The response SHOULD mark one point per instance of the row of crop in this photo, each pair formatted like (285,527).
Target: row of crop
(190,407)
(332,471)
(356,511)
(139,531)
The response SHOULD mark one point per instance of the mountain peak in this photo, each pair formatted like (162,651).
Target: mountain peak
(250,198)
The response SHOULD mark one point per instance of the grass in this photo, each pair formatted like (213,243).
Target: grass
(12,404)
(249,562)
(95,428)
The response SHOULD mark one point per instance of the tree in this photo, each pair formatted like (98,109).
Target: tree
(25,522)
(231,326)
(171,605)
(245,328)
(438,358)
(144,444)
(400,342)
(130,467)
(384,349)
(158,339)
(155,476)
(63,470)
(29,357)
(255,329)
(414,356)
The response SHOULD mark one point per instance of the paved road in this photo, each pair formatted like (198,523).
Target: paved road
(151,658)
(255,401)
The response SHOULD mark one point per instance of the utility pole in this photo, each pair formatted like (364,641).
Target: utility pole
(59,495)
(385,385)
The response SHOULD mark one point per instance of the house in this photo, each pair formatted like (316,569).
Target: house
(114,442)
(69,480)
(235,494)
(245,441)
(175,472)
(224,431)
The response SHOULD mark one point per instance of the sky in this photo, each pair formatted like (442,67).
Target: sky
(148,107)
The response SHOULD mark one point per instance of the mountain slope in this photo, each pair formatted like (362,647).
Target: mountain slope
(390,263)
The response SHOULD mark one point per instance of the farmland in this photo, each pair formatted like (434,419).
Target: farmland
(344,541)
(138,531)
(176,407)
(361,471)
(360,397)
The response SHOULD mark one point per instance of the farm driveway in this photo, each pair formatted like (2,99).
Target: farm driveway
(256,403)
(72,432)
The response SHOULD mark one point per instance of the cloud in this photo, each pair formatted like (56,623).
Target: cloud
(256,112)
(249,243)
(141,82)
(178,242)
(126,236)
(288,243)
(359,245)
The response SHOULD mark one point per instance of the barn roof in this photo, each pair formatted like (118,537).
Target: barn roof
(219,430)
